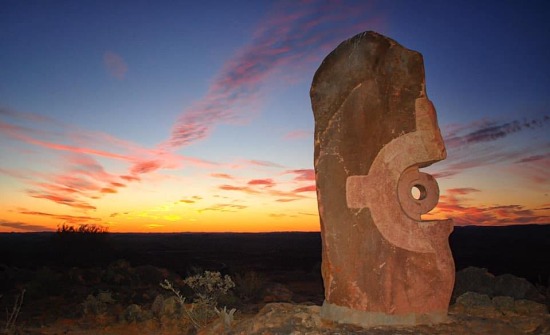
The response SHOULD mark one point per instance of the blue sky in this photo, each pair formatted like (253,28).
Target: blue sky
(145,104)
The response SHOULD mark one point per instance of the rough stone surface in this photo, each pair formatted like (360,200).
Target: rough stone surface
(479,280)
(526,315)
(517,288)
(374,128)
(472,279)
(285,319)
(277,293)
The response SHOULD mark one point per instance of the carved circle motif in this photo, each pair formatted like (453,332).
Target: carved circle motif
(427,193)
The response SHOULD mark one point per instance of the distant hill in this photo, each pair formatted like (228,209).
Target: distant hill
(519,250)
(522,250)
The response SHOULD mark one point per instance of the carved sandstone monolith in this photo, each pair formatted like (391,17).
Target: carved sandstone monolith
(374,128)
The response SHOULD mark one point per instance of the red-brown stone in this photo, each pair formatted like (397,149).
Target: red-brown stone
(374,128)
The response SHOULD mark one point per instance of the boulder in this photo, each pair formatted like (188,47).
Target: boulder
(374,128)
(473,279)
(517,288)
(479,280)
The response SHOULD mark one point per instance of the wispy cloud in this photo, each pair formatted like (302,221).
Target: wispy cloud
(27,135)
(62,217)
(290,40)
(79,177)
(244,189)
(24,226)
(309,188)
(294,35)
(62,200)
(480,143)
(224,208)
(221,175)
(303,174)
(268,187)
(82,178)
(455,204)
(482,131)
(268,182)
(115,65)
(535,168)
(298,134)
(264,163)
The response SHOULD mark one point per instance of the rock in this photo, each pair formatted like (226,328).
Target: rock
(481,305)
(374,127)
(280,318)
(134,313)
(97,304)
(543,328)
(284,319)
(478,280)
(472,279)
(528,307)
(472,303)
(504,304)
(277,293)
(517,288)
(165,307)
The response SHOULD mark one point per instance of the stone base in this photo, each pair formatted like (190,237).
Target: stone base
(369,319)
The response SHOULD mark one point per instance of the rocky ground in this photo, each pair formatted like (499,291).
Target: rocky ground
(115,289)
(122,299)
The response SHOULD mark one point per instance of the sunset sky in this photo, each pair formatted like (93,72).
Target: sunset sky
(178,116)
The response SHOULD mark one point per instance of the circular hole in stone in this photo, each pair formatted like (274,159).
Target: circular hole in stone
(418,192)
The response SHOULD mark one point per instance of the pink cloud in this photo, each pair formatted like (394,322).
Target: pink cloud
(24,226)
(303,174)
(80,174)
(264,163)
(130,178)
(294,36)
(265,187)
(298,134)
(145,167)
(115,65)
(221,175)
(286,199)
(310,188)
(462,191)
(291,39)
(285,194)
(534,168)
(244,189)
(22,134)
(453,205)
(14,173)
(62,200)
(264,182)
(65,218)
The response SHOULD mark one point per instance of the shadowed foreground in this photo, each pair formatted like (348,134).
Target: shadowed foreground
(279,287)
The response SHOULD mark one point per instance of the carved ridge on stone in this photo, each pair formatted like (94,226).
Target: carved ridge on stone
(404,154)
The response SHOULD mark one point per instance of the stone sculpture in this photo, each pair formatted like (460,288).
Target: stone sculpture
(374,129)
